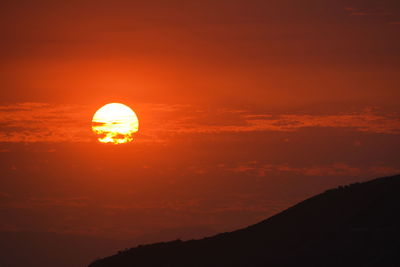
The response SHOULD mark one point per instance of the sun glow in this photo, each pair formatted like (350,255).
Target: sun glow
(115,123)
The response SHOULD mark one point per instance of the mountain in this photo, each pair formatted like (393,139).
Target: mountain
(354,225)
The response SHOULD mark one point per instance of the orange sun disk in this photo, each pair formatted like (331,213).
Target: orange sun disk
(115,123)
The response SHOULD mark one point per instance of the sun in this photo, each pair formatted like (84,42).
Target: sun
(115,123)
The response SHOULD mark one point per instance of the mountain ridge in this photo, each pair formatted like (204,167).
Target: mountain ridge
(353,225)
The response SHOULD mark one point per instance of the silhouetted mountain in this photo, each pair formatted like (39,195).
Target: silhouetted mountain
(355,225)
(183,233)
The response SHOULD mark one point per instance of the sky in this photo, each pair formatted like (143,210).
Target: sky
(245,108)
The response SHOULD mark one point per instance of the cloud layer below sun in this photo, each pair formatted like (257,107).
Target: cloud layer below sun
(41,122)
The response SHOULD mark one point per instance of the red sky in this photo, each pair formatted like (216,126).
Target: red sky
(245,108)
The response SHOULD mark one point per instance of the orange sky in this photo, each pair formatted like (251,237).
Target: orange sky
(276,54)
(245,108)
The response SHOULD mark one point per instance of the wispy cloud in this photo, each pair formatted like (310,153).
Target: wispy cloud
(362,11)
(246,122)
(389,13)
(356,11)
(35,202)
(334,169)
(40,122)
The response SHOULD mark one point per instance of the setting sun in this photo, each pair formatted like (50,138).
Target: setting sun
(115,123)
(200,133)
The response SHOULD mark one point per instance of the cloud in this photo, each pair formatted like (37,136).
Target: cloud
(36,202)
(384,13)
(364,11)
(334,169)
(362,122)
(41,122)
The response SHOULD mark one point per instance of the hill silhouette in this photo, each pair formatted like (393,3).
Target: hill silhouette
(354,225)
